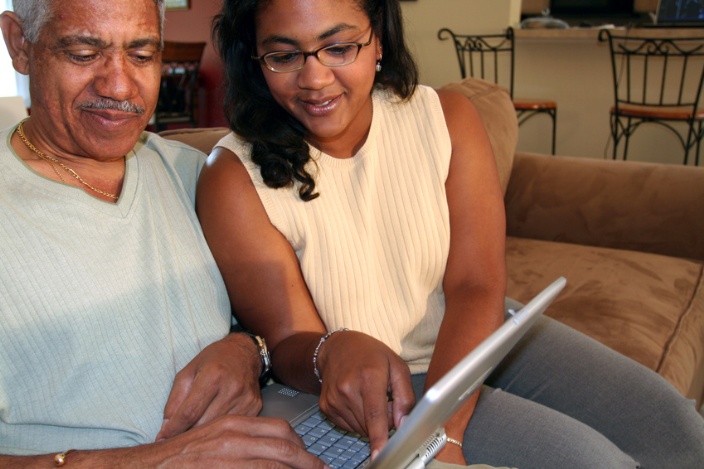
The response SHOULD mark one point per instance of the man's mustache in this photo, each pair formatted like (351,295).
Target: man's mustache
(111,104)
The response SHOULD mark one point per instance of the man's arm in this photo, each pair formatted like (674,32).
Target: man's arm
(229,441)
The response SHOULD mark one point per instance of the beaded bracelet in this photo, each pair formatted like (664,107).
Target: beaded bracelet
(454,442)
(317,350)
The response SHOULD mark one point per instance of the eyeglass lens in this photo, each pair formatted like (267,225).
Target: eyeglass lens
(334,55)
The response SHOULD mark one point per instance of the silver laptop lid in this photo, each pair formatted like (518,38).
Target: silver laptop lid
(441,401)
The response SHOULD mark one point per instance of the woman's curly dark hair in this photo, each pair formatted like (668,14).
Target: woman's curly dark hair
(276,137)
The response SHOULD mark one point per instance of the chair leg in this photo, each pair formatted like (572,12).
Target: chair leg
(699,137)
(627,135)
(691,141)
(614,135)
(554,129)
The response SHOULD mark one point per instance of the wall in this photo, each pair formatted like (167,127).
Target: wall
(423,18)
(574,72)
(438,64)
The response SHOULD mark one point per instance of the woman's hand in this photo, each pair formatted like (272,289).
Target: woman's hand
(366,387)
(222,379)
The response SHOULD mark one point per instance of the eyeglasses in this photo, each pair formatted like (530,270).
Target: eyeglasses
(334,55)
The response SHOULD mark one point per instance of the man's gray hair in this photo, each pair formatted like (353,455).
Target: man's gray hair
(35,14)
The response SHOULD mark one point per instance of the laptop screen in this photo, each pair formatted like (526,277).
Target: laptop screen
(680,12)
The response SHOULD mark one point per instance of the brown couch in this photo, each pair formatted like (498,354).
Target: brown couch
(628,236)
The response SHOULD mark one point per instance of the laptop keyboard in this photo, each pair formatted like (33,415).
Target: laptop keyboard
(335,447)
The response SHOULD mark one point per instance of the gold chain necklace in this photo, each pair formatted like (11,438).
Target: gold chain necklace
(52,161)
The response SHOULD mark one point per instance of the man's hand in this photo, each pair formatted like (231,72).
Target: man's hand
(222,379)
(366,386)
(235,441)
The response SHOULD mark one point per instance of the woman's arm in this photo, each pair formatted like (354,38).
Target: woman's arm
(475,277)
(270,297)
(260,269)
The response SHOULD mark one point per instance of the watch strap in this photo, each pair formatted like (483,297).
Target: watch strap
(264,355)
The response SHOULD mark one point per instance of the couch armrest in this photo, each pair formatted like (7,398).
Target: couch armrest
(646,207)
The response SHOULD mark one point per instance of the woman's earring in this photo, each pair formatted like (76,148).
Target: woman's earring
(378,66)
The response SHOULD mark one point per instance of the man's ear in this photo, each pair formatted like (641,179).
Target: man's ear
(16,44)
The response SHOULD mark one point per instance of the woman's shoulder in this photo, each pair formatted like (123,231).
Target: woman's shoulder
(454,101)
(232,142)
(225,160)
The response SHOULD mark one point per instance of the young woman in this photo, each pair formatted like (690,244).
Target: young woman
(358,222)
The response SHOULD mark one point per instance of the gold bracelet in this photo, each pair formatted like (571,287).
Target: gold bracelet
(60,459)
(454,442)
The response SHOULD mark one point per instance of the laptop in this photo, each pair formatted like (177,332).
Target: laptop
(679,13)
(422,435)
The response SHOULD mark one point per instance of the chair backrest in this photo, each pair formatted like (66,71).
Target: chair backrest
(12,110)
(179,82)
(489,57)
(662,72)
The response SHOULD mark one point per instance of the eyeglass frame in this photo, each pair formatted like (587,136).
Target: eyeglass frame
(262,58)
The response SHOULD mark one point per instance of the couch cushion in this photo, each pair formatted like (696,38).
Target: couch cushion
(203,139)
(626,205)
(647,306)
(496,109)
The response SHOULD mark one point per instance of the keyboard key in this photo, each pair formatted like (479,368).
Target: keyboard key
(317,449)
(308,440)
(334,452)
(331,438)
(303,428)
(335,447)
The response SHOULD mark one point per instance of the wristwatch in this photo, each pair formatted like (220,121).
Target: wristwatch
(263,354)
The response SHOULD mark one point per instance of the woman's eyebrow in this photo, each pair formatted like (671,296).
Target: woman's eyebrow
(276,39)
(335,30)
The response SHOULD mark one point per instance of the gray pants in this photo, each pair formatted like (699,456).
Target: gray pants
(562,400)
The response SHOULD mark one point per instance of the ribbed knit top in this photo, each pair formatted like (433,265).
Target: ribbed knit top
(373,247)
(101,304)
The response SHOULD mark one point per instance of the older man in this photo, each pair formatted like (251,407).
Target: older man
(114,320)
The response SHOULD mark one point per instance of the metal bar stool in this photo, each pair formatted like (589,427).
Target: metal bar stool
(491,57)
(659,81)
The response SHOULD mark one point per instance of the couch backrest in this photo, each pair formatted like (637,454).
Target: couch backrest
(496,109)
(204,139)
(492,101)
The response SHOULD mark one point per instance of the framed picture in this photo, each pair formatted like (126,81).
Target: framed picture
(178,4)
